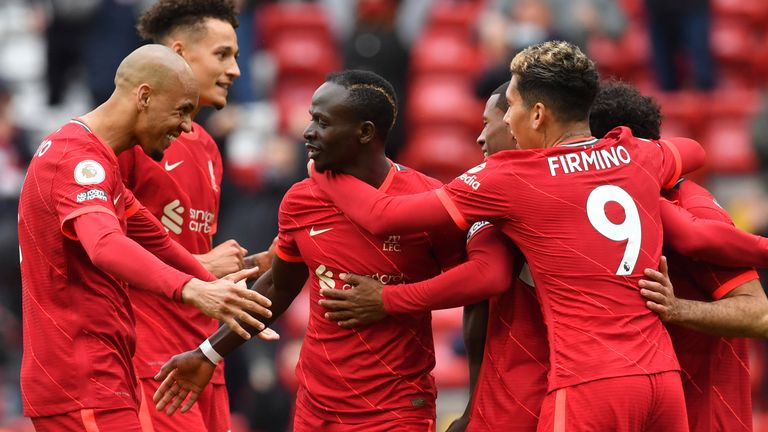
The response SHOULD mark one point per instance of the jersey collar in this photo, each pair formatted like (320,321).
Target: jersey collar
(84,125)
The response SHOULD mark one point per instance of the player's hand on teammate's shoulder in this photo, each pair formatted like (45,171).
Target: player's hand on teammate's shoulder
(226,258)
(659,293)
(358,305)
(184,377)
(225,300)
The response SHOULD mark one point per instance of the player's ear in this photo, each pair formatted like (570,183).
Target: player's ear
(142,96)
(178,47)
(538,112)
(367,132)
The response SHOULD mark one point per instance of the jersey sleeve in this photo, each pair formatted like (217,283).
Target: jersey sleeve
(718,281)
(680,156)
(711,241)
(482,193)
(378,212)
(83,184)
(488,271)
(287,227)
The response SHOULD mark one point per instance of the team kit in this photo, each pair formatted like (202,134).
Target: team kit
(603,290)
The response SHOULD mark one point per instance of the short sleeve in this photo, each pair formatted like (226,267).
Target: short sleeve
(482,193)
(84,183)
(671,165)
(719,281)
(287,228)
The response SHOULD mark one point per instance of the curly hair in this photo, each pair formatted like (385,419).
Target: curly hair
(370,96)
(167,16)
(558,74)
(620,104)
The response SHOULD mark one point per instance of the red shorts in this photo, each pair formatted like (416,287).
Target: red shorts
(625,404)
(90,420)
(209,414)
(304,421)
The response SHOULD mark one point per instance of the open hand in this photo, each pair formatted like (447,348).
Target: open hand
(185,374)
(226,301)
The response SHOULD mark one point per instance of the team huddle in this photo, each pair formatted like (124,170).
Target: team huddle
(602,290)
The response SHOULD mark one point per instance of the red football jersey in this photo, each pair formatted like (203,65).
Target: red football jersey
(715,370)
(183,192)
(586,216)
(77,320)
(378,372)
(513,377)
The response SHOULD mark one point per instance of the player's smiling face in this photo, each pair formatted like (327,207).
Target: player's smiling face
(495,135)
(332,136)
(212,55)
(167,113)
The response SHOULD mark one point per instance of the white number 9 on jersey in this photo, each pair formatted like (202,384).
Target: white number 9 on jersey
(628,230)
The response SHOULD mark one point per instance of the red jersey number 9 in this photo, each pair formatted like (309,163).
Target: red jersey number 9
(628,230)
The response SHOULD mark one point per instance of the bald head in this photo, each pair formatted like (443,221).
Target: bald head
(155,65)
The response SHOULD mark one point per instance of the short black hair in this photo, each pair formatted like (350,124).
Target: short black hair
(502,104)
(371,97)
(558,74)
(166,16)
(621,104)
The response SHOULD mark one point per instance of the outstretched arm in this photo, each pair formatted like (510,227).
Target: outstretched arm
(712,241)
(117,255)
(487,272)
(188,373)
(742,312)
(379,213)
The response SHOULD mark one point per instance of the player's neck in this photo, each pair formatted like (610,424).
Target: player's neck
(567,132)
(107,121)
(372,170)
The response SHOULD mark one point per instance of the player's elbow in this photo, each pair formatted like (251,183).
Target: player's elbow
(492,281)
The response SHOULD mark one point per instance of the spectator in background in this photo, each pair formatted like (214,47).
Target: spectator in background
(375,45)
(15,154)
(111,36)
(511,25)
(65,37)
(681,26)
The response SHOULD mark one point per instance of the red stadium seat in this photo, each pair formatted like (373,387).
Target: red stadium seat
(627,57)
(279,19)
(688,108)
(729,146)
(436,101)
(292,98)
(302,55)
(455,18)
(750,11)
(732,42)
(442,152)
(445,54)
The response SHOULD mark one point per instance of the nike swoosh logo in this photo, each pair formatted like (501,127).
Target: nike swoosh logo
(313,233)
(170,167)
(117,198)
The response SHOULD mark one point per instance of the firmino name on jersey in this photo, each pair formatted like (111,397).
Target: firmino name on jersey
(588,160)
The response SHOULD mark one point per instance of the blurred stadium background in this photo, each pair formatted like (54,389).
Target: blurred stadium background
(58,57)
